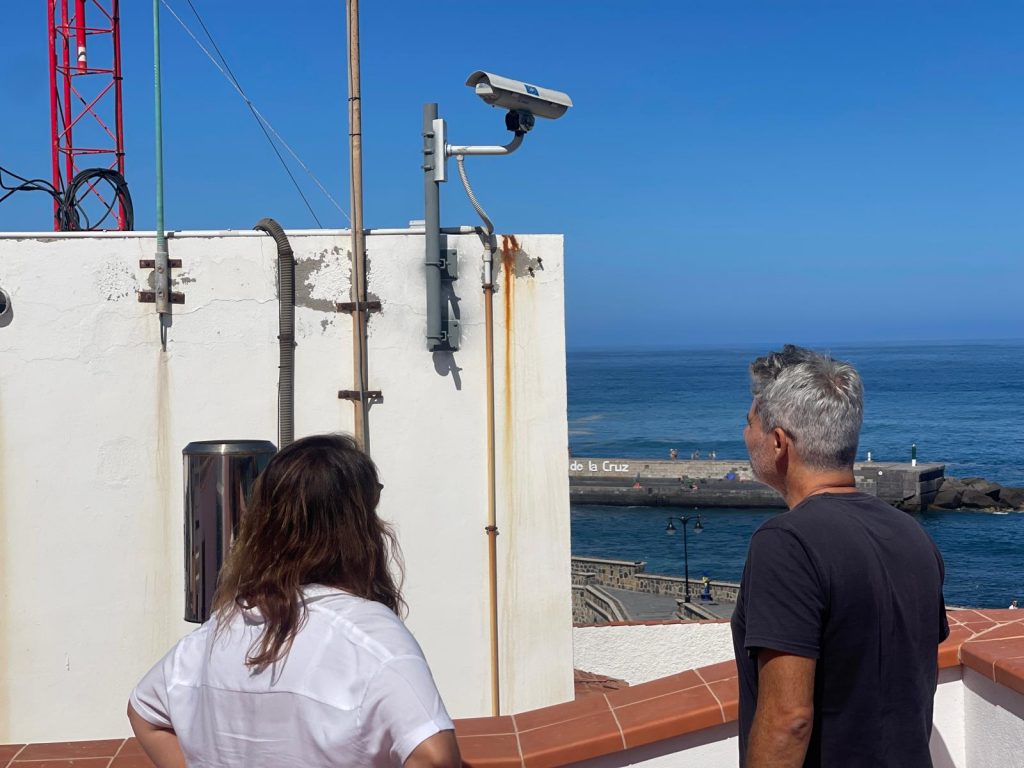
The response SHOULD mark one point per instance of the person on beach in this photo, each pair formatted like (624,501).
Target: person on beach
(840,607)
(305,661)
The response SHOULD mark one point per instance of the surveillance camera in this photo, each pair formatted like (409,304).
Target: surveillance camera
(517,96)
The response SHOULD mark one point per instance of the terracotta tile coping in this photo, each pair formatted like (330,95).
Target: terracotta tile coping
(988,641)
(108,753)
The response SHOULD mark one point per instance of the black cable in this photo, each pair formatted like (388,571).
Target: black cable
(81,185)
(70,213)
(256,117)
(27,185)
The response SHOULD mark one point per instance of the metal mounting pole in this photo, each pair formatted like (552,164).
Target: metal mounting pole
(359,316)
(432,225)
(686,561)
(161,265)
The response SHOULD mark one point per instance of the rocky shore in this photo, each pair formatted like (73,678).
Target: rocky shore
(977,493)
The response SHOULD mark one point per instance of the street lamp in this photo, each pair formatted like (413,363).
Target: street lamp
(670,529)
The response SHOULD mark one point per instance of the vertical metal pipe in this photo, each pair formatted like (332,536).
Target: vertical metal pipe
(361,367)
(80,33)
(686,562)
(118,111)
(432,226)
(162,287)
(492,519)
(54,135)
(69,160)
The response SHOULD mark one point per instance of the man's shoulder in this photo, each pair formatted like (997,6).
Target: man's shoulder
(791,521)
(821,519)
(833,509)
(829,522)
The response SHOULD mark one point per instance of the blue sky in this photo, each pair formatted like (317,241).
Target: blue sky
(731,172)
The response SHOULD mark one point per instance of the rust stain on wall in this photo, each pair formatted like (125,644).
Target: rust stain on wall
(509,250)
(507,507)
(168,522)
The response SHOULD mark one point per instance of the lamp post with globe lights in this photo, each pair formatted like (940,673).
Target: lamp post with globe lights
(670,529)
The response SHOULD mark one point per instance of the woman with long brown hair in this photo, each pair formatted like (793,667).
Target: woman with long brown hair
(305,661)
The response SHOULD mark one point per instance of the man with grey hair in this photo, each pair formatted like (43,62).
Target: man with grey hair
(841,608)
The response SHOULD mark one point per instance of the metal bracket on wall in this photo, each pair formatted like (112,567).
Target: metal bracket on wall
(350,307)
(449,264)
(149,297)
(451,330)
(373,396)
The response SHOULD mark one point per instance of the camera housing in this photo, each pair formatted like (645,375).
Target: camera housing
(515,95)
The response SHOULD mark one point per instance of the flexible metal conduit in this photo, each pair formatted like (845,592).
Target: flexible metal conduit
(286,331)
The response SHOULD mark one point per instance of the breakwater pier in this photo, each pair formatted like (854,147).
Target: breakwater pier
(731,483)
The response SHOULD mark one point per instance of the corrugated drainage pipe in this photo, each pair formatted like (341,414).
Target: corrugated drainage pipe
(286,331)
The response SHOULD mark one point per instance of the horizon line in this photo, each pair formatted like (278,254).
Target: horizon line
(674,347)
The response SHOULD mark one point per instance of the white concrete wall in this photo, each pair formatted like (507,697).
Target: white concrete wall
(93,417)
(947,742)
(640,653)
(993,722)
(711,748)
(644,652)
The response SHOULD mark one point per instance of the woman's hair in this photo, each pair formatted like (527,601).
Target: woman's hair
(311,520)
(819,401)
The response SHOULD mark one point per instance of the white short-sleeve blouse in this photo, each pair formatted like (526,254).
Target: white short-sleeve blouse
(355,689)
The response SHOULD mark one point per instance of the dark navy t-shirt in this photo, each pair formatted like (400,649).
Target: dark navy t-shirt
(850,581)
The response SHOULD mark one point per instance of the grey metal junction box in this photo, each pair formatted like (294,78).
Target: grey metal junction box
(219,476)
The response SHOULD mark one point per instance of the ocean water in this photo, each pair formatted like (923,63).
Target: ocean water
(962,404)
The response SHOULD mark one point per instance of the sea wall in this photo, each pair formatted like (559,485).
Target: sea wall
(627,469)
(718,484)
(712,494)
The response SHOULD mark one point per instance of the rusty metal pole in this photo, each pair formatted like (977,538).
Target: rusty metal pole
(358,290)
(492,519)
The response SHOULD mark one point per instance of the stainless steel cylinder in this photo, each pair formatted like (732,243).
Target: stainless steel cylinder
(5,307)
(219,476)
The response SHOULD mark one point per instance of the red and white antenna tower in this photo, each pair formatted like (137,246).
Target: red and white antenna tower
(85,92)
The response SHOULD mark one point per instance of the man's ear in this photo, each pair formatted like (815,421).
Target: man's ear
(780,440)
(782,443)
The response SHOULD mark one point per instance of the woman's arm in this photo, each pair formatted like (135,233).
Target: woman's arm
(439,751)
(159,744)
